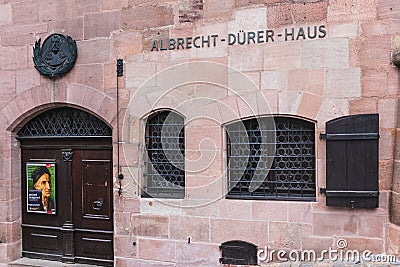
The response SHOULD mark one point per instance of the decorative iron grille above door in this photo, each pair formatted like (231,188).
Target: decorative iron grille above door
(65,122)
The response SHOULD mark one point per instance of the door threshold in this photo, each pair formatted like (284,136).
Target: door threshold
(28,262)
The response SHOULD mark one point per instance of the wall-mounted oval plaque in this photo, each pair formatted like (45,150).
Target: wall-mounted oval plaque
(57,55)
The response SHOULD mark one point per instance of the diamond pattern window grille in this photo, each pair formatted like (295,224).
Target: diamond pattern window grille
(291,174)
(165,159)
(65,121)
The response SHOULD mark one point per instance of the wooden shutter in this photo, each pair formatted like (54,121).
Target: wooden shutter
(238,253)
(352,161)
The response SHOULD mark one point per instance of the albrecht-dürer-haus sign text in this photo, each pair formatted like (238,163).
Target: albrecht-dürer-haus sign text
(241,38)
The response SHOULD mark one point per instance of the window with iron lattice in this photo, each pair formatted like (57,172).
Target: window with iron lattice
(165,156)
(271,158)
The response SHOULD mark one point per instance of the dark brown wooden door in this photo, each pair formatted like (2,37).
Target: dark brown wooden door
(92,204)
(81,230)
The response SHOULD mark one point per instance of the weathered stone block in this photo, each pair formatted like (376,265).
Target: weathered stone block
(235,209)
(159,250)
(255,232)
(388,10)
(375,245)
(183,227)
(285,235)
(331,224)
(371,226)
(101,24)
(122,222)
(291,52)
(72,27)
(387,113)
(317,243)
(299,212)
(379,46)
(286,14)
(374,82)
(202,208)
(289,101)
(393,245)
(114,4)
(204,186)
(363,106)
(190,10)
(123,246)
(343,30)
(93,99)
(344,82)
(246,58)
(353,10)
(150,35)
(380,27)
(81,7)
(137,73)
(245,3)
(6,12)
(329,53)
(309,106)
(269,210)
(395,213)
(52,10)
(210,50)
(90,75)
(274,80)
(251,19)
(22,35)
(142,17)
(307,80)
(386,143)
(94,51)
(26,12)
(161,207)
(150,225)
(218,10)
(197,254)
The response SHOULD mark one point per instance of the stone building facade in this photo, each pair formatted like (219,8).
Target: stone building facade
(213,63)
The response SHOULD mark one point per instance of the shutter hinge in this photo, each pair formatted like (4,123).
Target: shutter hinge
(322,191)
(322,136)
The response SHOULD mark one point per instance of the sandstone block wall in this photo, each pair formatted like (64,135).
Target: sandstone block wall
(348,71)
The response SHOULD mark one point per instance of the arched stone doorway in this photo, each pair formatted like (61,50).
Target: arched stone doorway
(66,186)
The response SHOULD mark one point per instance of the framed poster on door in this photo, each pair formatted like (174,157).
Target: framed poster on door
(41,185)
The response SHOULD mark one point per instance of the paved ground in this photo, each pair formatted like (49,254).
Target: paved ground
(26,262)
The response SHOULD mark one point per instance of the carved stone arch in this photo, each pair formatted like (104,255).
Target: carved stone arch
(40,98)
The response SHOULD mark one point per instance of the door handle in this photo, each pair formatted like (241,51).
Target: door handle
(98,204)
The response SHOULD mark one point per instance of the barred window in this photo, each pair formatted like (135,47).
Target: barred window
(165,156)
(271,158)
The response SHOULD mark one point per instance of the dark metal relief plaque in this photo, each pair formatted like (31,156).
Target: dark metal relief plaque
(57,55)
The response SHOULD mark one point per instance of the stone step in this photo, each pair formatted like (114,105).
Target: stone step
(27,262)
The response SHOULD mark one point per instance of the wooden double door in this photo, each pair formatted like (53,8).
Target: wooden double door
(80,226)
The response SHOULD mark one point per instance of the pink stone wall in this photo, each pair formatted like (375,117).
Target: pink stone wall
(347,72)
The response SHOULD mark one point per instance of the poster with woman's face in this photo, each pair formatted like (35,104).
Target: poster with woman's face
(41,196)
